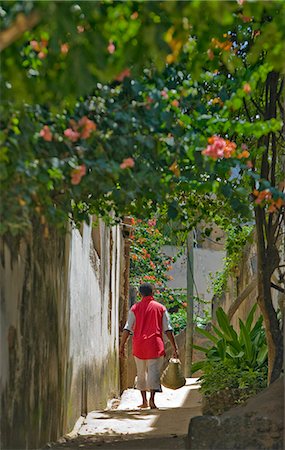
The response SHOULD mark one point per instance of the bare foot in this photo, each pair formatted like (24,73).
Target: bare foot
(143,406)
(152,405)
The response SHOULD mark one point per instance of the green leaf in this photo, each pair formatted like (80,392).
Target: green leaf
(207,334)
(197,366)
(201,349)
(262,355)
(245,340)
(249,319)
(225,325)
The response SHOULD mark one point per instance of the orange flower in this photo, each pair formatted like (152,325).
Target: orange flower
(175,168)
(64,48)
(127,163)
(46,134)
(152,265)
(135,15)
(246,88)
(86,126)
(243,154)
(226,45)
(135,257)
(175,103)
(126,73)
(77,174)
(217,100)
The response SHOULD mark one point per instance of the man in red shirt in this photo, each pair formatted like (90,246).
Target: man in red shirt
(147,320)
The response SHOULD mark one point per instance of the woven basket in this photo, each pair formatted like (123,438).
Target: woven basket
(172,376)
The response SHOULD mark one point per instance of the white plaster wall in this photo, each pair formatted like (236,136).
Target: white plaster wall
(94,317)
(206,262)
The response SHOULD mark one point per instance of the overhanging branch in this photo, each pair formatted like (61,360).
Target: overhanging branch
(21,24)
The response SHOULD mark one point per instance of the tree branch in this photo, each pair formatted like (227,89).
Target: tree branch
(18,27)
(238,301)
(278,288)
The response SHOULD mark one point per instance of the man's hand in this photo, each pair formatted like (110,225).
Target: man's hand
(175,354)
(124,338)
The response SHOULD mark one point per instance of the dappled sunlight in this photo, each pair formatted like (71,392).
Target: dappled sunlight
(128,419)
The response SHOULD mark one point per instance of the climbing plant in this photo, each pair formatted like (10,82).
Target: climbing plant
(150,264)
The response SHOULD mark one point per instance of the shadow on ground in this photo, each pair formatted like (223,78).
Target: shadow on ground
(126,428)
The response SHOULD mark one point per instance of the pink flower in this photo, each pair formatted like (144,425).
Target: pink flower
(127,162)
(64,48)
(164,94)
(35,45)
(77,174)
(135,15)
(124,74)
(219,148)
(42,55)
(111,47)
(46,134)
(72,135)
(246,88)
(80,29)
(151,222)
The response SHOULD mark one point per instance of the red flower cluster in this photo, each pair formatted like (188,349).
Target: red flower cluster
(219,148)
(83,129)
(127,163)
(40,47)
(46,134)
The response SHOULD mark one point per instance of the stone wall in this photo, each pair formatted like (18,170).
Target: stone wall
(59,330)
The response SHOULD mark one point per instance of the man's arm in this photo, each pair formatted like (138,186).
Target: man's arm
(124,338)
(172,341)
(127,331)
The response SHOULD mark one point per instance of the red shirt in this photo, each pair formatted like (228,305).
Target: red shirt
(148,328)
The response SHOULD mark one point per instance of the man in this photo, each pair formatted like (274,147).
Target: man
(147,320)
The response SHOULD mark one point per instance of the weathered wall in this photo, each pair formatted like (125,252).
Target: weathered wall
(240,279)
(34,338)
(206,261)
(59,331)
(94,323)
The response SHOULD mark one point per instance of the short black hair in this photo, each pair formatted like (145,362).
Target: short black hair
(146,289)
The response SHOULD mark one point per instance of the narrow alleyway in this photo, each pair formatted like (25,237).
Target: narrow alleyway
(127,427)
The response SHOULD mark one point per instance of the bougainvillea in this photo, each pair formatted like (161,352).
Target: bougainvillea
(150,264)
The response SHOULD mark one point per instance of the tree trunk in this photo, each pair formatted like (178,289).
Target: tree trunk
(267,237)
(267,262)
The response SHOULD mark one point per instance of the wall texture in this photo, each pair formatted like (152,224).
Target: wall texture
(59,330)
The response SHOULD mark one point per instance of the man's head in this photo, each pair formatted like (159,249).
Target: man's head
(146,289)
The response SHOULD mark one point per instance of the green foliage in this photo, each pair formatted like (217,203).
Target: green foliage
(246,349)
(236,239)
(220,375)
(149,264)
(236,362)
(179,320)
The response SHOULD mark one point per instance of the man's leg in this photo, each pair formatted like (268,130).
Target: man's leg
(154,371)
(141,380)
